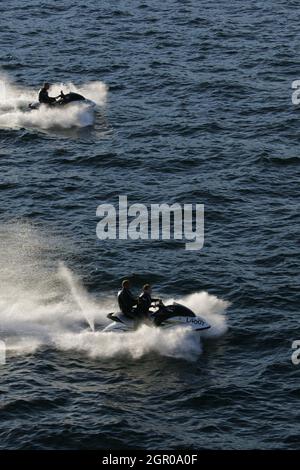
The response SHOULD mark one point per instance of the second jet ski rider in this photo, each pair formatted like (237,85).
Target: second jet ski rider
(145,301)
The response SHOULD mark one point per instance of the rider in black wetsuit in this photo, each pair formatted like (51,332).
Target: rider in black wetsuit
(43,95)
(126,300)
(145,300)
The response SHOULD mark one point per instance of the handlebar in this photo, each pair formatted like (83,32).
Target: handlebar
(158,301)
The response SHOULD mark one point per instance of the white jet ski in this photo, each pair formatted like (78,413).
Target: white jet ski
(164,317)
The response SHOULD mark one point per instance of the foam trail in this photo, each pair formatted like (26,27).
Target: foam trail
(177,343)
(14,101)
(37,310)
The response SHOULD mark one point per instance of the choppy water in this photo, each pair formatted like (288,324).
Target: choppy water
(194,105)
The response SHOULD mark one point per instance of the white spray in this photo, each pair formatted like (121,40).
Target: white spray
(42,303)
(14,101)
(78,294)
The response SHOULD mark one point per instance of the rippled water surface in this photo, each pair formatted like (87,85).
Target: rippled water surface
(193,106)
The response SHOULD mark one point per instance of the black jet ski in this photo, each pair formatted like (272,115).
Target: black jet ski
(69,98)
(63,100)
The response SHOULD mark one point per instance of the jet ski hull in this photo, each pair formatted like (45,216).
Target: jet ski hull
(187,319)
(194,323)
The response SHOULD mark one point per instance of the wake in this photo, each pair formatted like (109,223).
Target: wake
(43,304)
(14,101)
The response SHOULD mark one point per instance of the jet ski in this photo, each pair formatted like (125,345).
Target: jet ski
(165,317)
(69,98)
(64,100)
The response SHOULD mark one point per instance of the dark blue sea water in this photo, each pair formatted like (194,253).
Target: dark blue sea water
(194,106)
